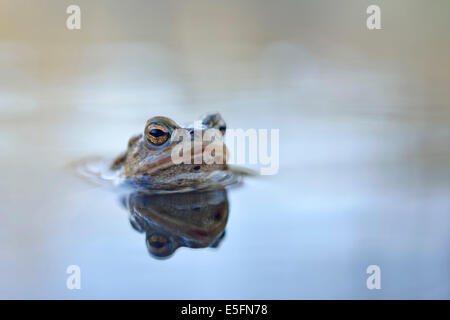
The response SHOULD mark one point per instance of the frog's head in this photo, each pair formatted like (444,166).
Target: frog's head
(151,158)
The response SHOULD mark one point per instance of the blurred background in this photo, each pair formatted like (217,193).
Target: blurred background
(364,119)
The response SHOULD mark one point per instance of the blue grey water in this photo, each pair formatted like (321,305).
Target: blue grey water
(364,120)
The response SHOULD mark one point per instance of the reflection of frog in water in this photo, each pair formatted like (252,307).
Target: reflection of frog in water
(195,219)
(148,162)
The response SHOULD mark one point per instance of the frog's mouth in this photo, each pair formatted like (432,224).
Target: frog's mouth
(180,158)
(198,156)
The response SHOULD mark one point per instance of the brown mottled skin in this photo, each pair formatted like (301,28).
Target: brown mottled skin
(152,166)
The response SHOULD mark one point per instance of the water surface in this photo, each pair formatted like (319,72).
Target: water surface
(364,123)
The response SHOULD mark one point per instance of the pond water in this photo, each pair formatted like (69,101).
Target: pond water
(364,153)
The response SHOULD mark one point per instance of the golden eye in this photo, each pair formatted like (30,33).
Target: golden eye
(157,134)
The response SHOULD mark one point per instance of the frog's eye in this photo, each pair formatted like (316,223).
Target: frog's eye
(157,134)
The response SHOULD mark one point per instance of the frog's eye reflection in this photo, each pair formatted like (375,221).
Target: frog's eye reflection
(157,134)
(159,245)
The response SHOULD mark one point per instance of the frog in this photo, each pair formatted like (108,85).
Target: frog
(148,163)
